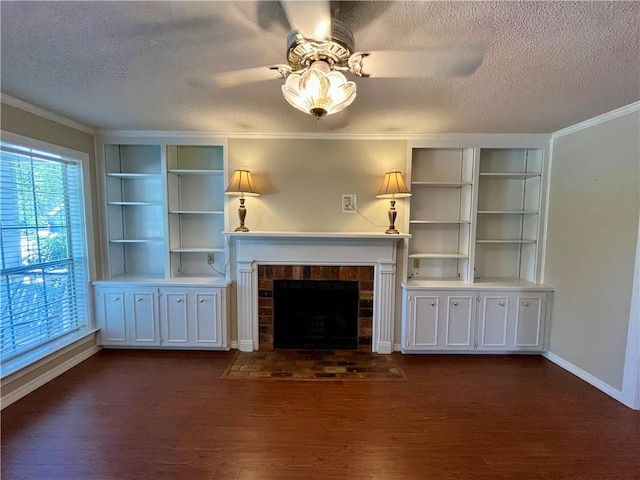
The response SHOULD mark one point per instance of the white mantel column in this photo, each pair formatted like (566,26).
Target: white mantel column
(247,296)
(384,307)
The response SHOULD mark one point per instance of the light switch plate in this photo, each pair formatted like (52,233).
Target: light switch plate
(349,203)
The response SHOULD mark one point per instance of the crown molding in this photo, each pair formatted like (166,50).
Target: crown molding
(457,139)
(252,135)
(605,117)
(41,112)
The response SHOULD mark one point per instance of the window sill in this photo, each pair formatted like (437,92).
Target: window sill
(31,357)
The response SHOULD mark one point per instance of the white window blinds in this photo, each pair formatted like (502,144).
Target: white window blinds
(43,275)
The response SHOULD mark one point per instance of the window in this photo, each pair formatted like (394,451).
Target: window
(44,271)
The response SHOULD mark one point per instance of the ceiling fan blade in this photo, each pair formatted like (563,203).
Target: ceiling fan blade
(311,18)
(450,61)
(249,75)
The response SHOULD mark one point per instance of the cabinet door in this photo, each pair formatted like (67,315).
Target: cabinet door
(174,319)
(112,316)
(206,321)
(529,322)
(459,321)
(493,322)
(422,324)
(144,318)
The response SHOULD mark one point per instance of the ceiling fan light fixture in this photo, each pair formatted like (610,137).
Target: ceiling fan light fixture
(319,91)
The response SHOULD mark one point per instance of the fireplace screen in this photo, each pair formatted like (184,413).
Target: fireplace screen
(315,314)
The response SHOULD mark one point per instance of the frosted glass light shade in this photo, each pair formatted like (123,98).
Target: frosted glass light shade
(242,184)
(393,186)
(319,91)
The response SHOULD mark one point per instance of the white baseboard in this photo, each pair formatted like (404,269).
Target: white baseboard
(586,376)
(233,345)
(29,387)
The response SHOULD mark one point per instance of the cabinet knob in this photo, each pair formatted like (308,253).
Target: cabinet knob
(501,304)
(433,304)
(179,300)
(455,304)
(525,304)
(116,299)
(138,299)
(202,300)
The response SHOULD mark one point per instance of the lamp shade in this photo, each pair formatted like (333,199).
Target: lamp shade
(242,184)
(393,186)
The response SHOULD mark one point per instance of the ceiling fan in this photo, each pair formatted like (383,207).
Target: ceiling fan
(321,48)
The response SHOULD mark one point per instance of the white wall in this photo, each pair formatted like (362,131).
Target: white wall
(592,238)
(301,182)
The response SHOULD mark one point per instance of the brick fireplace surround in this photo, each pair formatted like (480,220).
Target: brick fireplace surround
(268,273)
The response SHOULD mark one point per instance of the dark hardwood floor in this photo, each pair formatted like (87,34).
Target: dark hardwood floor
(168,415)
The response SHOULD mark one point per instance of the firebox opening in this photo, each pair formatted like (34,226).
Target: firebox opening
(315,314)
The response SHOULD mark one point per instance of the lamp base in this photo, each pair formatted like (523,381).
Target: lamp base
(392,218)
(242,213)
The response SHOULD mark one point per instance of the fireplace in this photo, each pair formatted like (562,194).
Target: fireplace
(340,253)
(352,285)
(315,314)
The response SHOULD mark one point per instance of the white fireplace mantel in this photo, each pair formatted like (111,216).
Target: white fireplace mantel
(316,248)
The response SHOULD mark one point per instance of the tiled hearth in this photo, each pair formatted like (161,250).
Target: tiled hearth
(268,273)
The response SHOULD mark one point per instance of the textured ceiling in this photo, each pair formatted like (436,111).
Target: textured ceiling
(150,65)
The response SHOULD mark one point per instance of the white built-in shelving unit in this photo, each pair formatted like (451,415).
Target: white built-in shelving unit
(474,256)
(165,260)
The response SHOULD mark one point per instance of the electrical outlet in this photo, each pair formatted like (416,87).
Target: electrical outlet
(210,259)
(349,203)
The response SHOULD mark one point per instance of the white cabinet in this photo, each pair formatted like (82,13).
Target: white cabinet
(493,321)
(529,319)
(422,324)
(473,259)
(459,320)
(165,258)
(162,316)
(513,322)
(128,316)
(112,317)
(175,330)
(193,317)
(439,320)
(470,320)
